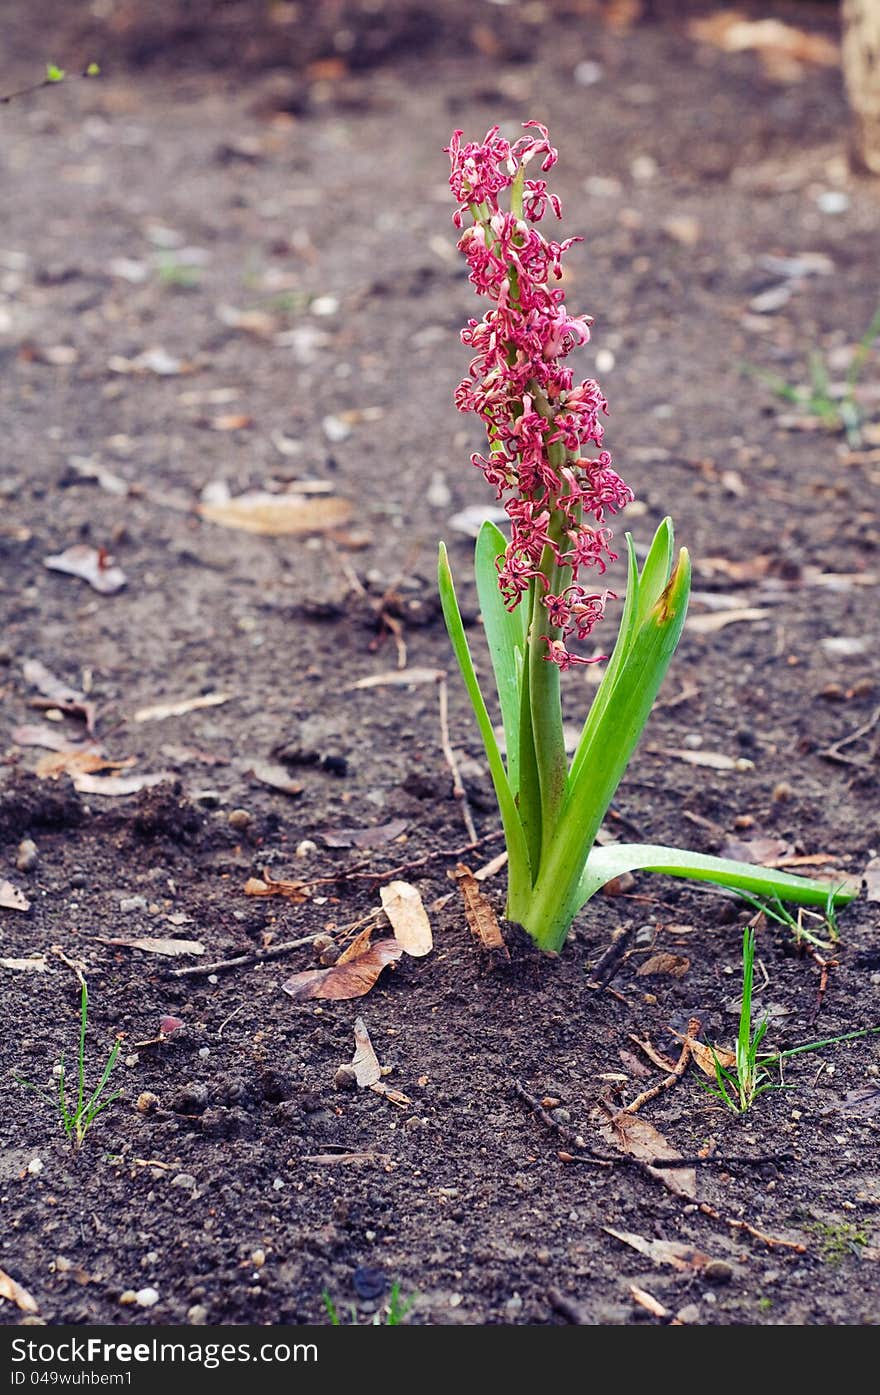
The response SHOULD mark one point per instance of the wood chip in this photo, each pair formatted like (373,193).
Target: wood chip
(709,624)
(277,515)
(276,777)
(38,964)
(11,899)
(398,677)
(180,707)
(403,906)
(343,981)
(151,944)
(479,913)
(663,963)
(90,564)
(116,786)
(14,1293)
(712,760)
(649,1302)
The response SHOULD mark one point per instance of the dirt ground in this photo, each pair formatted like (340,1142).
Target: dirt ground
(212,281)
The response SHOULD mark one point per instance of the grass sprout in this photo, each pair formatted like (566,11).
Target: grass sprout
(77,1109)
(804,930)
(392,1314)
(751,1073)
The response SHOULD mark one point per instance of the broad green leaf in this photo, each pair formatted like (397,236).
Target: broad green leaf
(611,861)
(506,637)
(519,872)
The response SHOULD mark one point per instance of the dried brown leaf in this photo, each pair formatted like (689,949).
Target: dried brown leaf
(91,564)
(180,708)
(663,963)
(359,945)
(704,1057)
(675,1253)
(14,1293)
(77,760)
(403,906)
(649,1302)
(717,620)
(344,981)
(116,786)
(265,885)
(479,913)
(633,1135)
(11,899)
(764,851)
(275,515)
(372,837)
(365,1062)
(152,944)
(277,777)
(740,569)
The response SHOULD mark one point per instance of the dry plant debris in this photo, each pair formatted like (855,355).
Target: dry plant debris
(347,978)
(478,912)
(405,910)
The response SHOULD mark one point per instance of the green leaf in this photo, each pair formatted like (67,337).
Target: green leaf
(506,637)
(93,70)
(656,571)
(519,870)
(611,861)
(54,74)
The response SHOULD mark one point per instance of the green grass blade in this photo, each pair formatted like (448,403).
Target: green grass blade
(506,637)
(519,868)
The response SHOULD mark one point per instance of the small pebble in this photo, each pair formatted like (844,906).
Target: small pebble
(133,903)
(146,1102)
(197,1315)
(184,1180)
(146,1297)
(35,1167)
(239,818)
(192,1099)
(346,1078)
(718,1271)
(689,1313)
(277,1184)
(832,201)
(306,848)
(27,855)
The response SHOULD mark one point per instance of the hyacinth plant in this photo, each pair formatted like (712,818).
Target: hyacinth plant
(541,592)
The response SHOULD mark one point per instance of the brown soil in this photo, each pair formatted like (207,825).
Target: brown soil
(467,1203)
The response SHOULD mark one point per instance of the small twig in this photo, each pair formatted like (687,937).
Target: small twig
(458,788)
(152,1162)
(256,956)
(567,1308)
(835,750)
(772,1241)
(90,72)
(653,1055)
(567,1134)
(76,965)
(672,1078)
(609,961)
(232,1014)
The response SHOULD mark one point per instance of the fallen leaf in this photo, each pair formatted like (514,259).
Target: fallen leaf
(76,759)
(871,878)
(760,850)
(479,913)
(57,694)
(633,1135)
(713,760)
(264,885)
(704,1057)
(11,899)
(372,837)
(180,708)
(365,1062)
(739,569)
(675,1253)
(708,624)
(14,1293)
(359,945)
(91,564)
(649,1302)
(489,869)
(153,945)
(39,962)
(343,981)
(398,677)
(276,777)
(118,785)
(275,515)
(169,1025)
(671,965)
(403,906)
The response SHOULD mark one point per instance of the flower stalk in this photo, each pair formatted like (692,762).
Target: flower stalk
(539,590)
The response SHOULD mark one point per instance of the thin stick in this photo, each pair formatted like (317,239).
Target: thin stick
(458,789)
(75,964)
(256,956)
(835,750)
(772,1241)
(674,1076)
(653,1055)
(609,961)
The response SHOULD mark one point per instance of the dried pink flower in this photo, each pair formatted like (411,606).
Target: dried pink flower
(537,420)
